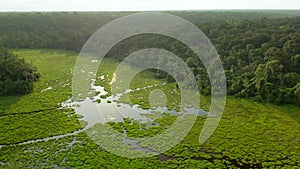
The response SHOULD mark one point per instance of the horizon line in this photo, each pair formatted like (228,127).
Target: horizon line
(186,10)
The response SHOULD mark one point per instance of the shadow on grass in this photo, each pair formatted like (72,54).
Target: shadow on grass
(292,111)
(6,102)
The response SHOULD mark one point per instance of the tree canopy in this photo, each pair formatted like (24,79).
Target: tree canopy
(260,51)
(16,76)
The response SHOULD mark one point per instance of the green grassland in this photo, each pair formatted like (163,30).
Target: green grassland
(35,115)
(250,134)
(55,68)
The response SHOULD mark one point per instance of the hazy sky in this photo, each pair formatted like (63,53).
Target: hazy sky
(132,5)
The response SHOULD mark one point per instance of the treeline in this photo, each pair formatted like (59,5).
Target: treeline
(48,30)
(16,76)
(70,30)
(261,56)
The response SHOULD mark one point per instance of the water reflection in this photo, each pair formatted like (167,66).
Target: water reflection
(109,110)
(95,109)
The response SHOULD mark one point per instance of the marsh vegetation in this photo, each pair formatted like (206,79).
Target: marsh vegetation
(44,127)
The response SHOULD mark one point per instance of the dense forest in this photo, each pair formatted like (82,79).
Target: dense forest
(260,54)
(261,58)
(16,76)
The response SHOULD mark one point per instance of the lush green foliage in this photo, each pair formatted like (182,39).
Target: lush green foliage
(250,134)
(35,115)
(31,126)
(260,57)
(70,30)
(53,87)
(260,53)
(16,76)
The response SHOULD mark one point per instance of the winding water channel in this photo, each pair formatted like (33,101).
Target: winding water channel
(110,110)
